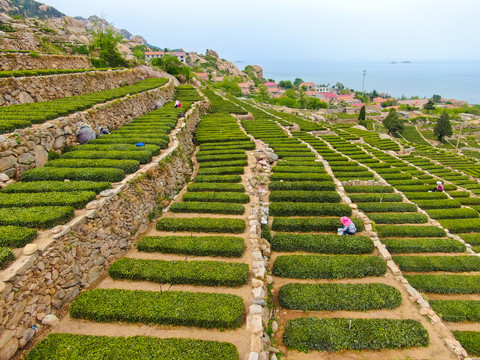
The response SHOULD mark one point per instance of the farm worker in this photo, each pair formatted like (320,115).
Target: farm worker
(177,104)
(439,186)
(348,226)
(85,134)
(102,131)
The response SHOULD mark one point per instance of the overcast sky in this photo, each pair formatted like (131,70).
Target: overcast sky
(257,31)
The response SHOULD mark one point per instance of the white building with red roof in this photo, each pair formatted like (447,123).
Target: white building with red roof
(180,55)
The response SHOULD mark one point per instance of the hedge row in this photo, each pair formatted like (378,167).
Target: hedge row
(206,225)
(300,177)
(462,213)
(208,273)
(79,347)
(152,149)
(423,245)
(398,218)
(445,284)
(228,170)
(37,217)
(224,197)
(335,297)
(423,188)
(201,157)
(218,179)
(472,239)
(311,224)
(302,185)
(204,310)
(305,196)
(409,231)
(457,226)
(216,187)
(230,163)
(470,340)
(438,263)
(325,244)
(309,209)
(457,310)
(207,208)
(438,204)
(299,169)
(328,267)
(51,186)
(92,174)
(76,199)
(227,246)
(426,195)
(386,207)
(339,334)
(143,157)
(369,189)
(15,236)
(357,198)
(129,166)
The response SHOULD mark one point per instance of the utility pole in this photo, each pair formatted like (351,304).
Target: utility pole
(363,83)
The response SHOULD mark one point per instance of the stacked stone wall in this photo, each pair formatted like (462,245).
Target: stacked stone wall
(25,61)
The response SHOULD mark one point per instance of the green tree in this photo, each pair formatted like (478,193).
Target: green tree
(263,93)
(105,41)
(285,84)
(430,105)
(443,127)
(290,93)
(436,98)
(392,122)
(363,114)
(230,85)
(297,82)
(339,86)
(173,66)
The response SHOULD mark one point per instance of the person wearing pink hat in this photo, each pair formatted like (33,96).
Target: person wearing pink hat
(348,226)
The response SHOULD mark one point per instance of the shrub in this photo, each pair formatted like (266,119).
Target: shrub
(42,217)
(328,267)
(143,157)
(75,199)
(230,163)
(79,347)
(201,158)
(461,225)
(459,194)
(463,213)
(445,284)
(207,208)
(305,196)
(166,308)
(369,189)
(409,231)
(423,245)
(49,186)
(326,244)
(300,177)
(309,209)
(472,239)
(356,198)
(385,207)
(302,185)
(228,246)
(470,340)
(438,263)
(228,170)
(311,224)
(129,166)
(214,225)
(437,204)
(6,256)
(152,149)
(299,169)
(15,236)
(335,297)
(425,195)
(49,174)
(339,334)
(398,218)
(216,187)
(225,197)
(208,273)
(457,310)
(423,188)
(218,179)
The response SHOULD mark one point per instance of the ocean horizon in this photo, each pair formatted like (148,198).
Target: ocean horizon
(451,79)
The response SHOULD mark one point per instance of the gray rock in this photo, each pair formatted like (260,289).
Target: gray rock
(9,349)
(50,320)
(24,98)
(4,177)
(7,162)
(26,158)
(41,156)
(272,157)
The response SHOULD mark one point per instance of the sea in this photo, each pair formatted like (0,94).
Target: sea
(458,80)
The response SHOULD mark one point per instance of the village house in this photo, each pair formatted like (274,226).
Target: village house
(414,102)
(202,76)
(180,55)
(310,86)
(325,89)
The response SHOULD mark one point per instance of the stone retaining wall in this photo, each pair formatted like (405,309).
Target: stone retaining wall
(52,271)
(28,148)
(43,88)
(25,61)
